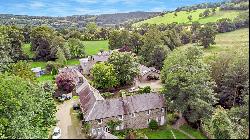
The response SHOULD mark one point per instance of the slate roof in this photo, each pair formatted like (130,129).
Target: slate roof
(97,109)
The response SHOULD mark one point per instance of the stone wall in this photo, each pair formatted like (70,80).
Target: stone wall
(140,120)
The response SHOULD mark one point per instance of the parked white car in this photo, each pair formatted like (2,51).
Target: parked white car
(56,133)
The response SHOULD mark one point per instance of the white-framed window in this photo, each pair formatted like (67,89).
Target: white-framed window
(99,121)
(117,127)
(148,112)
(148,121)
(157,119)
(106,129)
(162,110)
(99,129)
(93,131)
(120,117)
(132,115)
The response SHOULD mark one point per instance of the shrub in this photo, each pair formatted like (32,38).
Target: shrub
(113,124)
(153,125)
(146,89)
(86,127)
(107,95)
(172,118)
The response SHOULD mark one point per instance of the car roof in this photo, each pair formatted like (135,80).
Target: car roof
(57,129)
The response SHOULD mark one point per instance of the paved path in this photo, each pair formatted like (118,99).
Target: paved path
(68,122)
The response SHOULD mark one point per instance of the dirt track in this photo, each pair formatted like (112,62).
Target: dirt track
(68,121)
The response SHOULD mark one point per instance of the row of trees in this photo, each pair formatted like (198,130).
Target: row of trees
(214,97)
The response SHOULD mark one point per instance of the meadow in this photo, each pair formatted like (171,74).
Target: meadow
(91,48)
(182,17)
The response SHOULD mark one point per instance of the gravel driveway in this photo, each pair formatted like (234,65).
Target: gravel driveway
(68,121)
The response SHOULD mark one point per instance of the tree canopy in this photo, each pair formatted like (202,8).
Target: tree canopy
(27,110)
(104,76)
(188,86)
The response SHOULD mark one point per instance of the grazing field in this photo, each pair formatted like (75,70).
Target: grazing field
(227,42)
(93,47)
(182,17)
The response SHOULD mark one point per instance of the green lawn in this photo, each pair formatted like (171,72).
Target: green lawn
(46,77)
(38,64)
(73,62)
(164,133)
(182,17)
(195,133)
(93,47)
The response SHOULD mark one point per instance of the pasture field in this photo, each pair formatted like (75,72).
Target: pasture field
(182,17)
(93,47)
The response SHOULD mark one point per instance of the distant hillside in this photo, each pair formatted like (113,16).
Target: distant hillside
(188,14)
(121,18)
(75,21)
(182,17)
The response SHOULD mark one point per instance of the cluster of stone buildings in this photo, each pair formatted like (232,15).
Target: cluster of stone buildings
(88,63)
(134,111)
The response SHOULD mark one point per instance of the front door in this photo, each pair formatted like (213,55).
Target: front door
(162,120)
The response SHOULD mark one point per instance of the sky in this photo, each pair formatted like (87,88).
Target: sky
(91,7)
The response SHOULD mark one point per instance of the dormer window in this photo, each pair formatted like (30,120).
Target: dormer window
(120,117)
(148,112)
(162,110)
(99,121)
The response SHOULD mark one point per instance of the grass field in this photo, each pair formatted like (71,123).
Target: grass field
(165,133)
(227,42)
(195,133)
(93,47)
(182,17)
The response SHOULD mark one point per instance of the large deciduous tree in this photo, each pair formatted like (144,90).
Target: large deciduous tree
(220,126)
(188,86)
(23,70)
(27,109)
(118,39)
(65,82)
(41,42)
(206,36)
(76,48)
(125,65)
(5,50)
(151,39)
(104,76)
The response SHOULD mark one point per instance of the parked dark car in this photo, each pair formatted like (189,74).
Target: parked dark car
(76,106)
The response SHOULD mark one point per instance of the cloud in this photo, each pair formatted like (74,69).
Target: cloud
(36,4)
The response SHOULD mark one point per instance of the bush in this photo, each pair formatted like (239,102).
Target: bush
(107,95)
(153,125)
(146,89)
(172,118)
(86,127)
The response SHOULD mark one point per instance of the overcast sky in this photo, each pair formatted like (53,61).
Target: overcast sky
(81,7)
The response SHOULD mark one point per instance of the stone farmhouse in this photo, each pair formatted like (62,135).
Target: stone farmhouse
(88,63)
(133,111)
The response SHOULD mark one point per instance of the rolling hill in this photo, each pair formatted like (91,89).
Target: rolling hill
(182,17)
